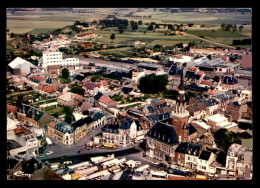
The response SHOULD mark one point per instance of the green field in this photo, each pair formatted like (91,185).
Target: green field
(225,37)
(148,37)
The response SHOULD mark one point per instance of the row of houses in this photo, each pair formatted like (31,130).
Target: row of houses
(71,133)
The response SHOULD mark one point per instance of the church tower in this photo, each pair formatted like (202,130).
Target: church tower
(180,115)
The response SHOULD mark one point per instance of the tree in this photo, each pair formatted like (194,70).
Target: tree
(240,28)
(134,27)
(224,139)
(228,27)
(223,26)
(191,24)
(76,89)
(121,28)
(140,22)
(150,27)
(234,28)
(148,82)
(68,114)
(56,115)
(65,73)
(112,36)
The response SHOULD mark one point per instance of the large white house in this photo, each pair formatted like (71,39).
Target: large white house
(54,57)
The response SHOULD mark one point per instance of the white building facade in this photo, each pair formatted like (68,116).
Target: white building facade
(55,57)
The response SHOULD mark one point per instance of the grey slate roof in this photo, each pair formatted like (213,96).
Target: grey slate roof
(80,122)
(204,155)
(189,148)
(98,96)
(97,116)
(126,123)
(191,129)
(63,127)
(110,128)
(164,133)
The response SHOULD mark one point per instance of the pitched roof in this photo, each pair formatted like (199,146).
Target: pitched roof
(81,122)
(79,97)
(39,78)
(189,148)
(111,103)
(67,96)
(18,62)
(85,106)
(204,155)
(126,123)
(206,82)
(164,133)
(89,85)
(11,108)
(191,129)
(52,124)
(97,116)
(64,127)
(19,130)
(193,108)
(98,96)
(194,69)
(112,128)
(229,80)
(104,99)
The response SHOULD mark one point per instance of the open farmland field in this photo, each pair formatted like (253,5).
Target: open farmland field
(34,26)
(39,22)
(208,19)
(148,37)
(225,37)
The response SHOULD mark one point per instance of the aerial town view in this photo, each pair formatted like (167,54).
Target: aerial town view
(129,94)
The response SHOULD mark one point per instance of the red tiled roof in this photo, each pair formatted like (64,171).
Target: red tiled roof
(206,82)
(11,108)
(52,124)
(36,77)
(41,86)
(104,82)
(104,99)
(51,89)
(17,130)
(194,69)
(200,73)
(45,88)
(84,34)
(211,92)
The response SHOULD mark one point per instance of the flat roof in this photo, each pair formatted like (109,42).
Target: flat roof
(217,118)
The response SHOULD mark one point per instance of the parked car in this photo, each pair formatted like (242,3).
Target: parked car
(49,153)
